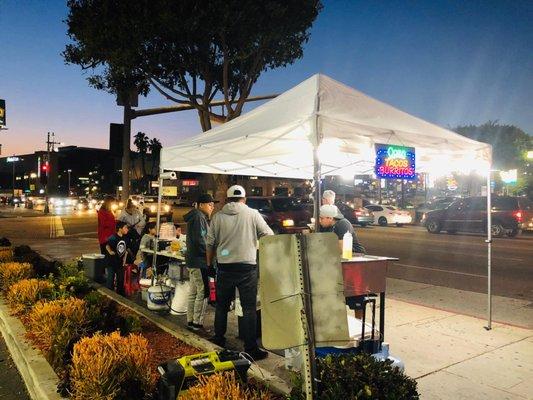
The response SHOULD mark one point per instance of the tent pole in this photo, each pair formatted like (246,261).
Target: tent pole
(157,225)
(489,255)
(317,192)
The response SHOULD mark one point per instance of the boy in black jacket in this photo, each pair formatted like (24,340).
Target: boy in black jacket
(197,225)
(117,247)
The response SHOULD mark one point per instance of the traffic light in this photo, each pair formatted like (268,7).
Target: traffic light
(45,167)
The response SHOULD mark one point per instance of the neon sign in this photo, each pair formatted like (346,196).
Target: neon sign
(395,162)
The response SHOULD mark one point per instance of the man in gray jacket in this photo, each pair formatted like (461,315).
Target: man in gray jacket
(232,237)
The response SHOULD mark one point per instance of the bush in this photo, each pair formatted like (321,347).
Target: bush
(55,326)
(223,386)
(41,266)
(71,281)
(104,315)
(6,254)
(12,272)
(362,377)
(110,367)
(22,295)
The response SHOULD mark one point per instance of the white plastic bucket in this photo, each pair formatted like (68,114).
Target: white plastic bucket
(158,297)
(145,284)
(180,299)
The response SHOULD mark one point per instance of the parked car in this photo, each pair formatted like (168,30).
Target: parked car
(385,215)
(356,216)
(509,215)
(282,214)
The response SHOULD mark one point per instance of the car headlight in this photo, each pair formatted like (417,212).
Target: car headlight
(287,222)
(153,208)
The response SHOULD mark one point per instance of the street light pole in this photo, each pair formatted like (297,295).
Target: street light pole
(69,171)
(13,178)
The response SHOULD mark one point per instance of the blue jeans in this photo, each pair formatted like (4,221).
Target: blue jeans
(244,278)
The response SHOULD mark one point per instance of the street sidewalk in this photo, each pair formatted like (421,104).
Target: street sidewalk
(451,355)
(438,332)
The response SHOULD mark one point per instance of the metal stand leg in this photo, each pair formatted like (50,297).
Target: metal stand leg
(381,318)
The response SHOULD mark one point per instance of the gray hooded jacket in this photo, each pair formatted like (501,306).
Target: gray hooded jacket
(234,232)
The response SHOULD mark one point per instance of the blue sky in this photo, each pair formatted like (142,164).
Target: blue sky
(449,62)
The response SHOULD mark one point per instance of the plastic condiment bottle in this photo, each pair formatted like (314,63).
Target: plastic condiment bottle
(347,241)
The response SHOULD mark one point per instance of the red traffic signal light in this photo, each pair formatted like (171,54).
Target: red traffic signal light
(44,167)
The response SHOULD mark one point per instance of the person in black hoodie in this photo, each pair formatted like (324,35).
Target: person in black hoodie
(195,257)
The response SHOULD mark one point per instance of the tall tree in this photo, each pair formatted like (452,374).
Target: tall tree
(106,42)
(509,148)
(188,50)
(509,143)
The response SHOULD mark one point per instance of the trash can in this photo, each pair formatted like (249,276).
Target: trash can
(94,266)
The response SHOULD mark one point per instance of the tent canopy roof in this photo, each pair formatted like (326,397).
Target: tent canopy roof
(278,137)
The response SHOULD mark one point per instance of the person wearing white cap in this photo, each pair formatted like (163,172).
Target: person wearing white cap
(232,237)
(329,223)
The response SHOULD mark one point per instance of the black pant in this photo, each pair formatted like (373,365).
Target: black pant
(115,278)
(103,249)
(243,277)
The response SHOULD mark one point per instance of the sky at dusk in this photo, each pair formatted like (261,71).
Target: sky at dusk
(449,62)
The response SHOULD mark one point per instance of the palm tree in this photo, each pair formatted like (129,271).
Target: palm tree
(155,149)
(141,141)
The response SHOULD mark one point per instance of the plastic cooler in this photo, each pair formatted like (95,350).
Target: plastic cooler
(94,266)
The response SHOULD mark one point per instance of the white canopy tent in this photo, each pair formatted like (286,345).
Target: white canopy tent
(322,127)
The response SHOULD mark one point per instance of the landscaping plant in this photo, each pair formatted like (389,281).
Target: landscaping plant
(24,294)
(55,326)
(111,367)
(6,254)
(360,377)
(222,386)
(12,272)
(70,280)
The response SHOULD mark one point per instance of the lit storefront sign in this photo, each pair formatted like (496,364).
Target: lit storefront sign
(395,162)
(190,182)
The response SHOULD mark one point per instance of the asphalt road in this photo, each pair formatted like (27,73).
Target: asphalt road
(457,261)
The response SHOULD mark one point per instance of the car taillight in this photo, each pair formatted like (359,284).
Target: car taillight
(518,216)
(287,222)
(358,213)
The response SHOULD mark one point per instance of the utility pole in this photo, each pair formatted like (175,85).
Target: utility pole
(50,148)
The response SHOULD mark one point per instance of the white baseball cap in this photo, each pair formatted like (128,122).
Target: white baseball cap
(236,191)
(328,211)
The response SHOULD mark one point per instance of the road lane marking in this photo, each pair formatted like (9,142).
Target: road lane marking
(56,227)
(474,255)
(442,270)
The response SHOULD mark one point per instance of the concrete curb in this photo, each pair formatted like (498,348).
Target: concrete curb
(261,375)
(38,376)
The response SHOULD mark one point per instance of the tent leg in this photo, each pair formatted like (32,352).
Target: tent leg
(489,255)
(157,226)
